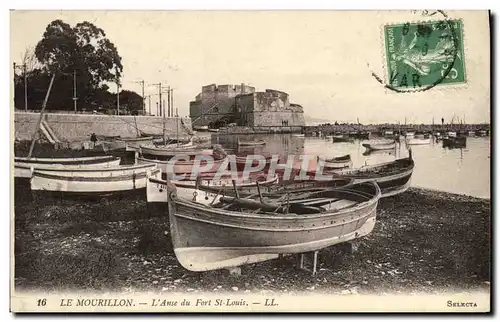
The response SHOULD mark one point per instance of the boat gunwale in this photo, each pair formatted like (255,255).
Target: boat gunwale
(103,169)
(78,160)
(291,216)
(119,177)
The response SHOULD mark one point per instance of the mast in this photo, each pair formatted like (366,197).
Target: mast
(177,124)
(41,115)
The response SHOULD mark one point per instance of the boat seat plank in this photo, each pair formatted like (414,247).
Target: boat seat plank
(340,205)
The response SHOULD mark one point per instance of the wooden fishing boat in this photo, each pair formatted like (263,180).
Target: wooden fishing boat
(376,146)
(252,159)
(23,166)
(418,141)
(455,142)
(94,181)
(200,128)
(184,162)
(210,187)
(134,144)
(360,135)
(251,143)
(127,144)
(451,134)
(243,231)
(410,135)
(341,138)
(392,177)
(213,130)
(172,150)
(337,162)
(299,135)
(482,133)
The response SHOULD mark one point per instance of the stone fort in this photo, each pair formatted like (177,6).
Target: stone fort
(219,105)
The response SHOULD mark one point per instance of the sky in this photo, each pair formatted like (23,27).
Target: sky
(323,59)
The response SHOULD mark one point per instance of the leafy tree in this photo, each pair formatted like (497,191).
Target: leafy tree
(84,50)
(130,100)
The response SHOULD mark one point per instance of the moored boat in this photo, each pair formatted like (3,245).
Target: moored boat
(392,177)
(23,166)
(172,150)
(134,144)
(184,162)
(243,231)
(251,143)
(418,141)
(376,146)
(455,142)
(337,162)
(341,138)
(200,128)
(298,135)
(94,181)
(209,187)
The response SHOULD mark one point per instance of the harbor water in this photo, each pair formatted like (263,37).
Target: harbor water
(459,170)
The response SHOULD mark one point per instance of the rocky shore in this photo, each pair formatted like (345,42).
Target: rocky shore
(424,241)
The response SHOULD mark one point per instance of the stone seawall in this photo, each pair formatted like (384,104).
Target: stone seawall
(78,127)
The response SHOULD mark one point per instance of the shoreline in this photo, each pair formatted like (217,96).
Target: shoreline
(423,241)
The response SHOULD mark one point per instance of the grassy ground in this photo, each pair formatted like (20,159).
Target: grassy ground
(423,241)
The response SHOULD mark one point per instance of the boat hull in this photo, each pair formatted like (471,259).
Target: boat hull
(415,141)
(23,169)
(379,147)
(206,239)
(392,183)
(179,167)
(93,182)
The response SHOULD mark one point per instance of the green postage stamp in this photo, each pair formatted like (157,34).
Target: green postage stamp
(424,54)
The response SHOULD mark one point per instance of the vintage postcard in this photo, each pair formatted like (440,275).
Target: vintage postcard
(250,161)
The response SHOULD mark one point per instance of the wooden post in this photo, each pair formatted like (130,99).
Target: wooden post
(25,88)
(258,190)
(41,115)
(236,190)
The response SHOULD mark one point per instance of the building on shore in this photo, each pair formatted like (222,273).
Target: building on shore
(217,106)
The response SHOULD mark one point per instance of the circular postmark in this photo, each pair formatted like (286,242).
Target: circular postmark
(423,54)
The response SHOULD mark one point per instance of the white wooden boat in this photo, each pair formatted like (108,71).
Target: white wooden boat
(251,143)
(410,135)
(337,162)
(209,188)
(451,134)
(201,128)
(102,181)
(213,130)
(298,135)
(181,166)
(22,169)
(170,150)
(134,144)
(392,177)
(377,146)
(418,141)
(242,231)
(120,143)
